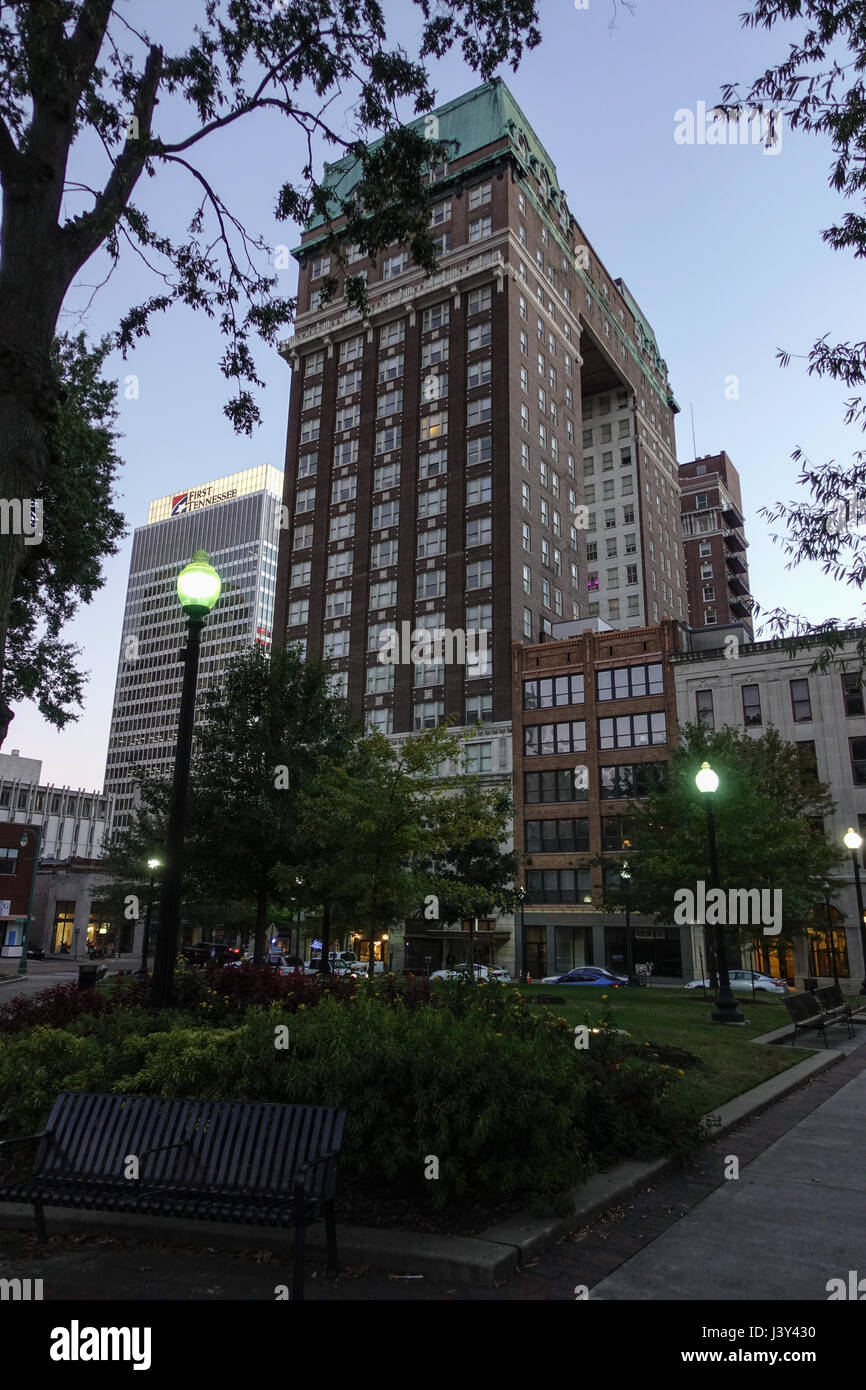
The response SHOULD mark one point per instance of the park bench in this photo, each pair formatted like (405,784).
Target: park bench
(806,1012)
(830,997)
(198,1160)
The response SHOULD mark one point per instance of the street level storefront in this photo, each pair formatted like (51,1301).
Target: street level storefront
(558,940)
(67,916)
(19,848)
(430,946)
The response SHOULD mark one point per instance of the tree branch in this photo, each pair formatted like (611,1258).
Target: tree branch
(86,233)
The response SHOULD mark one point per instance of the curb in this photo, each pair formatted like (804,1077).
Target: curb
(484,1259)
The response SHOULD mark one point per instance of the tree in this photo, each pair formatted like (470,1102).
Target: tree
(63,568)
(385,830)
(78,73)
(474,875)
(767,807)
(267,731)
(815,89)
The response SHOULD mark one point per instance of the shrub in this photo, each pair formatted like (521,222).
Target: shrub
(495,1091)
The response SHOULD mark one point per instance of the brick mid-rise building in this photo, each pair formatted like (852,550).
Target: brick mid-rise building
(439,450)
(595,719)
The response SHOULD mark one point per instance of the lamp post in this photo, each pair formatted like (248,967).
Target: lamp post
(521,898)
(726,1010)
(854,842)
(198,588)
(25,840)
(152,864)
(625,872)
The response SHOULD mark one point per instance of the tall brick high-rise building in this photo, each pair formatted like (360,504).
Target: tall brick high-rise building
(714,543)
(491,449)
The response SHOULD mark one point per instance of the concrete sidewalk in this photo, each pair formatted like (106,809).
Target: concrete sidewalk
(793,1219)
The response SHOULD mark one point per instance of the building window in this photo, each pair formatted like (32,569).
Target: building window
(541,740)
(380,679)
(430,584)
(479,300)
(704,708)
(553,786)
(431,543)
(386,514)
(752,706)
(800,701)
(479,450)
(479,194)
(382,554)
(437,315)
(632,731)
(478,412)
(858,760)
(479,757)
(383,594)
(432,502)
(386,475)
(8,861)
(338,604)
(630,682)
(480,228)
(479,708)
(479,574)
(852,693)
(381,719)
(550,691)
(479,531)
(624,781)
(395,265)
(557,836)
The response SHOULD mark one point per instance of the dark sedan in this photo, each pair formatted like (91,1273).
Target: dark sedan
(587,975)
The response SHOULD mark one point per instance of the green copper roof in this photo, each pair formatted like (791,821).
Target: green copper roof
(478,118)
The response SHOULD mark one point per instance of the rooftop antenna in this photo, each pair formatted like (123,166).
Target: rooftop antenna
(694,445)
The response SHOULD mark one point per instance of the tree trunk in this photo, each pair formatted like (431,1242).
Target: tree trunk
(33,281)
(261,926)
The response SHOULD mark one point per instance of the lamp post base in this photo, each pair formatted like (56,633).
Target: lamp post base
(726,1010)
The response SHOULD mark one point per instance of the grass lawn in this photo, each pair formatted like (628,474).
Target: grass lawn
(681,1018)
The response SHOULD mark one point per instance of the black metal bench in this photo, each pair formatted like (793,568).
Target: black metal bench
(200,1160)
(830,997)
(806,1012)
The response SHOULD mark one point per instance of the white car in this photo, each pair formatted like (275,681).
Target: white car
(741,980)
(489,973)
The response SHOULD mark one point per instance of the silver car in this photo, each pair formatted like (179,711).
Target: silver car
(741,980)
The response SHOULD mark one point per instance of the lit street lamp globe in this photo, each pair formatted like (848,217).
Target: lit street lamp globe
(852,840)
(198,585)
(706,780)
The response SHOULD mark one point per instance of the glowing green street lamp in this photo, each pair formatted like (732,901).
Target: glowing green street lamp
(726,1010)
(198,588)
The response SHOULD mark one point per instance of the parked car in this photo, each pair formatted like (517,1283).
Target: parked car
(587,975)
(35,953)
(204,952)
(491,974)
(742,980)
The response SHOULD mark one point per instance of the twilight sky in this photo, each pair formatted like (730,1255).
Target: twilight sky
(720,245)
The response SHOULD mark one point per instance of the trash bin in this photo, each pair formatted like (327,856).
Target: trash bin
(87,976)
(810,983)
